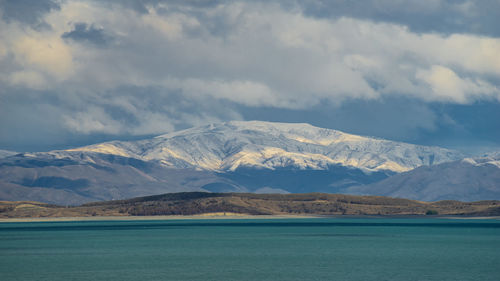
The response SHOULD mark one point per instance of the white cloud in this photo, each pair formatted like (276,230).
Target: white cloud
(3,50)
(151,123)
(30,79)
(447,86)
(170,26)
(92,120)
(244,92)
(48,54)
(254,54)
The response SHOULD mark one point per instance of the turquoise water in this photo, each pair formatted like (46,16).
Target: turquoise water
(290,249)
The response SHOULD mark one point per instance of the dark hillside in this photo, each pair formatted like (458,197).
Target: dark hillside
(196,203)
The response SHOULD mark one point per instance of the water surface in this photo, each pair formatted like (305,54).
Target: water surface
(246,249)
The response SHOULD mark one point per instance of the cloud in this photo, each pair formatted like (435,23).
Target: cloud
(146,67)
(400,118)
(47,55)
(141,111)
(421,16)
(32,79)
(447,85)
(93,119)
(28,12)
(87,33)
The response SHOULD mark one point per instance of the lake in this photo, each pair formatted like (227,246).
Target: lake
(252,249)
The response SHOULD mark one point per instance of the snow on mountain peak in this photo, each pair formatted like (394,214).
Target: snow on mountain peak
(6,153)
(492,158)
(270,145)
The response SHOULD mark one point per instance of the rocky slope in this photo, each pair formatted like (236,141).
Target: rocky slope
(468,179)
(86,177)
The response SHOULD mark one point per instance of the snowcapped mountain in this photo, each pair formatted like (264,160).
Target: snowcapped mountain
(249,156)
(469,179)
(490,159)
(5,153)
(256,144)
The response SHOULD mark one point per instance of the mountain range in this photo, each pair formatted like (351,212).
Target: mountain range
(256,144)
(248,156)
(469,179)
(5,153)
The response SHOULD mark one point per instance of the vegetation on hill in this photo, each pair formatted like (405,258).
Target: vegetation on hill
(195,203)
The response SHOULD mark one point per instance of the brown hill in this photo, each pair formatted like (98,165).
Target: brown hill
(194,203)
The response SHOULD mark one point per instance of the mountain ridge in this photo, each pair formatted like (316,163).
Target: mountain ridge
(468,179)
(230,145)
(6,153)
(246,156)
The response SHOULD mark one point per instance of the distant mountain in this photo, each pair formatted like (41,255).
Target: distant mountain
(72,178)
(77,178)
(266,145)
(495,155)
(5,153)
(469,179)
(261,157)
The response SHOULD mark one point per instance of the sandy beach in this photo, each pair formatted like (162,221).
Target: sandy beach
(218,216)
(133,218)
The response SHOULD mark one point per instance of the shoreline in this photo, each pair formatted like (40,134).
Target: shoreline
(218,216)
(153,218)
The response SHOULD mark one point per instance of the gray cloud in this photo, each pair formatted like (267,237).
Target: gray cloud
(399,119)
(40,120)
(83,32)
(147,67)
(443,16)
(26,11)
(470,128)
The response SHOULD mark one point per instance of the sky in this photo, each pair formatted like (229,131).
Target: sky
(77,72)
